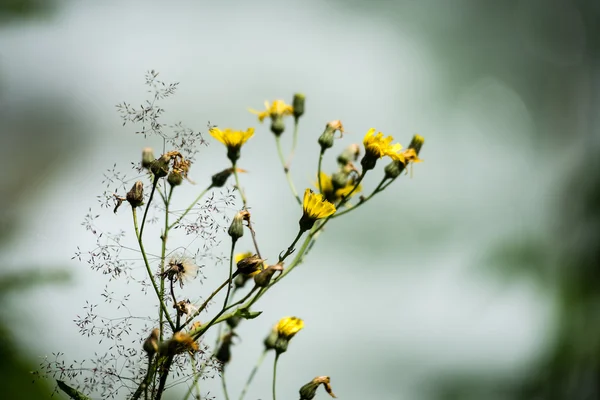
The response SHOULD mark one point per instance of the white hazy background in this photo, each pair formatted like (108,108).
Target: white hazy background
(393,296)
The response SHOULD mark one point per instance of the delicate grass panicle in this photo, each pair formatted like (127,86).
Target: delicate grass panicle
(150,354)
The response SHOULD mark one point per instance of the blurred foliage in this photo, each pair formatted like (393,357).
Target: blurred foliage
(13,9)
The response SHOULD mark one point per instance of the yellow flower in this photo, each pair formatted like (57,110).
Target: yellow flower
(181,342)
(289,326)
(315,207)
(378,145)
(232,139)
(240,256)
(330,194)
(275,110)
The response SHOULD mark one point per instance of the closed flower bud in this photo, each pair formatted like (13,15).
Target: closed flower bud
(219,179)
(223,353)
(277,125)
(160,167)
(308,391)
(271,339)
(394,169)
(135,196)
(175,178)
(147,157)
(236,229)
(233,322)
(339,180)
(263,278)
(326,138)
(298,105)
(151,343)
(349,154)
(416,143)
(250,264)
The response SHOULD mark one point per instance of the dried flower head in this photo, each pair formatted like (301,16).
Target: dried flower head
(185,307)
(308,391)
(180,269)
(151,343)
(181,342)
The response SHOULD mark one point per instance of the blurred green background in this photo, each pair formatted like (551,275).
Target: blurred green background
(477,278)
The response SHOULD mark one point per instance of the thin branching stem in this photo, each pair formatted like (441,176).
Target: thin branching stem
(230,274)
(319,170)
(154,183)
(379,188)
(253,372)
(187,210)
(238,187)
(149,270)
(286,170)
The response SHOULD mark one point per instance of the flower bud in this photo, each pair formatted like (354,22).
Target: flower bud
(233,322)
(263,278)
(416,143)
(277,125)
(271,339)
(349,154)
(339,180)
(298,105)
(250,264)
(308,391)
(147,157)
(223,353)
(286,330)
(175,178)
(151,343)
(326,138)
(160,167)
(394,169)
(236,229)
(135,196)
(219,179)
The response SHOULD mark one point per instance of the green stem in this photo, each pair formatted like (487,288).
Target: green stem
(286,170)
(187,210)
(294,143)
(319,170)
(275,375)
(163,378)
(224,384)
(149,270)
(194,385)
(291,249)
(230,274)
(254,370)
(163,253)
(203,306)
(237,185)
(154,183)
(379,188)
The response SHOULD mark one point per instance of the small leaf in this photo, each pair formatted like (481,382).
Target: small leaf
(247,314)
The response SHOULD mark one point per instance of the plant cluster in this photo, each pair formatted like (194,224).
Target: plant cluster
(150,354)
